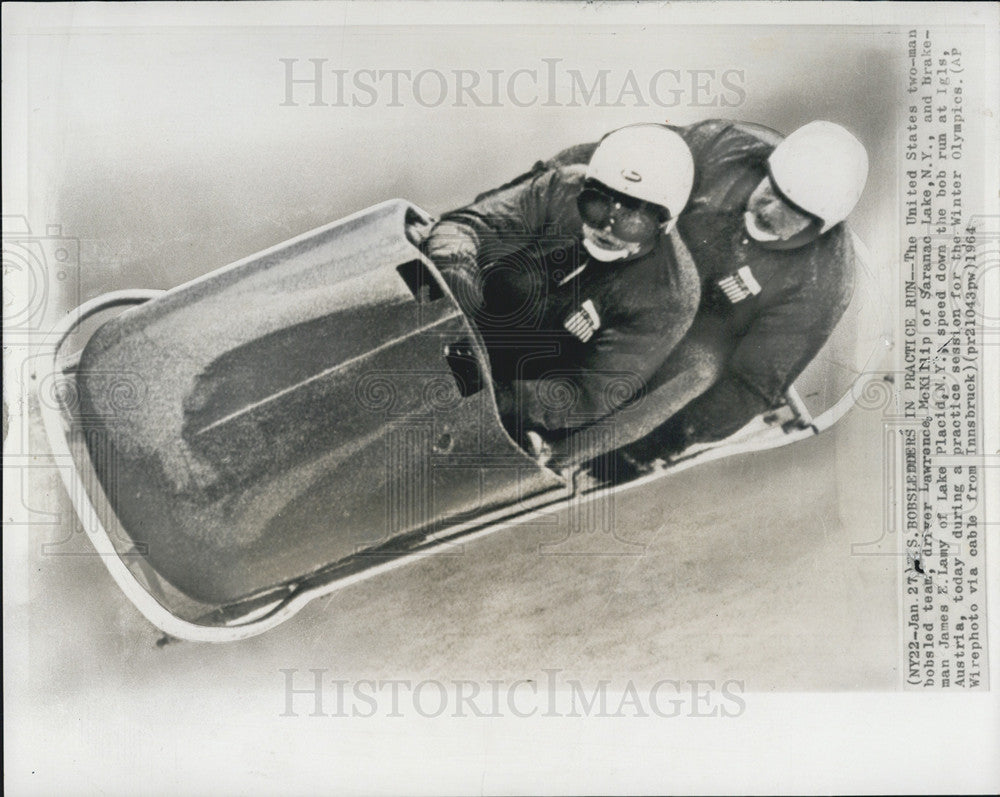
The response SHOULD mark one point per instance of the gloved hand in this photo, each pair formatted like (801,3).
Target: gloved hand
(418,230)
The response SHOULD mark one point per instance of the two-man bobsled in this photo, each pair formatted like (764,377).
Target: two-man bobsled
(311,416)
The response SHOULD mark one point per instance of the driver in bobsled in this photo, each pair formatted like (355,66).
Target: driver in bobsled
(765,227)
(577,279)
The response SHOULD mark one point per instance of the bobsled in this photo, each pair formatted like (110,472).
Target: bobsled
(317,414)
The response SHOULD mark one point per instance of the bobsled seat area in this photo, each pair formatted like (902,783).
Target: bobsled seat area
(320,399)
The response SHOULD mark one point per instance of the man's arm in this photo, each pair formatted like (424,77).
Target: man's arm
(464,241)
(613,374)
(578,153)
(780,343)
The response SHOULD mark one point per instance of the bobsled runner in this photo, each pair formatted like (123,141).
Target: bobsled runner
(317,414)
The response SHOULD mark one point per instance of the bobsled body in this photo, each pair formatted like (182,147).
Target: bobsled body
(294,410)
(317,413)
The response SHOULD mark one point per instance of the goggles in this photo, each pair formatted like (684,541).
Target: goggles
(631,220)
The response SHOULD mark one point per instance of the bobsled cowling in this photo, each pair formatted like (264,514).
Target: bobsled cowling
(309,404)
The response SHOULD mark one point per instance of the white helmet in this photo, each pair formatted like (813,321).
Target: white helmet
(647,161)
(822,168)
